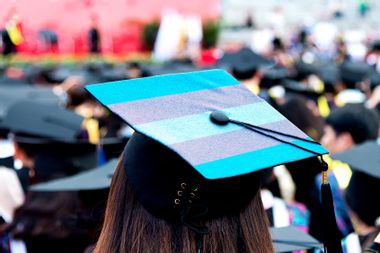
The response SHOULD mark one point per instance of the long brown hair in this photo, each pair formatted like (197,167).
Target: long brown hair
(128,227)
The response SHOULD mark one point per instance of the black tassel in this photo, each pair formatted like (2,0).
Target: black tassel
(331,233)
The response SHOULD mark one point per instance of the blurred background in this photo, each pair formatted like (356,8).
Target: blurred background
(127,27)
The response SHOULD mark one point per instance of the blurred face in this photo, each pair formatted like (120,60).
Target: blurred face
(335,143)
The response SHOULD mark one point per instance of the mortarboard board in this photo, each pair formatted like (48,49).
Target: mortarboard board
(273,77)
(363,157)
(204,128)
(354,72)
(113,73)
(363,190)
(304,69)
(175,110)
(244,62)
(94,179)
(53,135)
(295,87)
(329,74)
(12,94)
(30,119)
(289,239)
(168,68)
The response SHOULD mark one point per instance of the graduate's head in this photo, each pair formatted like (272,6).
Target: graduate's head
(48,140)
(160,198)
(348,126)
(363,189)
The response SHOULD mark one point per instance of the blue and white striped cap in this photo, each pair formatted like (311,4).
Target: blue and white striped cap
(175,110)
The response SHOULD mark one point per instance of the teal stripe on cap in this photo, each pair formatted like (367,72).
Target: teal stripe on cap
(196,126)
(256,160)
(158,86)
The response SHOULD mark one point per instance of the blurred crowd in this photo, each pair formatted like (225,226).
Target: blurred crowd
(51,128)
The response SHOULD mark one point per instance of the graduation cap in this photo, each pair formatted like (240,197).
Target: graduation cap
(94,179)
(53,123)
(295,87)
(53,136)
(11,94)
(169,68)
(303,70)
(244,62)
(273,77)
(330,75)
(352,73)
(363,157)
(289,239)
(199,135)
(113,73)
(363,190)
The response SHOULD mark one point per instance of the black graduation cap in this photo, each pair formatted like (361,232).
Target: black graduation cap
(330,75)
(200,137)
(289,239)
(89,73)
(53,136)
(244,62)
(294,87)
(93,179)
(353,72)
(113,73)
(364,157)
(30,119)
(169,68)
(273,77)
(58,74)
(363,191)
(11,94)
(303,70)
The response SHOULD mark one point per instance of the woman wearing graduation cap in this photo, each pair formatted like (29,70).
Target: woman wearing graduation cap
(187,180)
(49,142)
(363,190)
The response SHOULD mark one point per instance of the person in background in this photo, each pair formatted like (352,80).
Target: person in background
(348,126)
(63,221)
(363,190)
(94,38)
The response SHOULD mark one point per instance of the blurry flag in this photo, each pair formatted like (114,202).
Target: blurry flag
(14,32)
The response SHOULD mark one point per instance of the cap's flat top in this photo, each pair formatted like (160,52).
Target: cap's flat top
(244,58)
(42,121)
(364,158)
(13,94)
(98,178)
(175,110)
(289,239)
